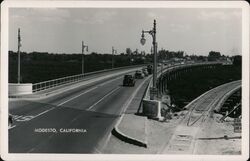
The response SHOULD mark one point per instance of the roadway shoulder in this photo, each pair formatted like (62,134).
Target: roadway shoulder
(133,128)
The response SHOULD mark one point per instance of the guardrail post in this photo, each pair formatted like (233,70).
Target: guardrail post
(75,78)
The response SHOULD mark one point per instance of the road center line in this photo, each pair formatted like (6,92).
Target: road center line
(10,127)
(77,96)
(110,81)
(103,98)
(102,84)
(42,113)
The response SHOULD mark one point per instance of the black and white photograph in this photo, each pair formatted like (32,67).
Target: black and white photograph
(134,80)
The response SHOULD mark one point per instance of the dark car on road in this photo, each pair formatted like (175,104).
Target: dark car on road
(145,72)
(139,74)
(150,69)
(128,80)
(10,122)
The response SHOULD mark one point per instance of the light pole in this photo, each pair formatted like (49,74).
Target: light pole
(83,47)
(113,51)
(143,40)
(18,51)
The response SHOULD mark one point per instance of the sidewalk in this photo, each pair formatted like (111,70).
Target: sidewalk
(133,128)
(154,134)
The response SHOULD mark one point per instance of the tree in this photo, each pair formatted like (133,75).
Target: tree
(237,60)
(179,54)
(128,51)
(213,55)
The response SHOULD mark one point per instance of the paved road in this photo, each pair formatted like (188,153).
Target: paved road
(75,121)
(89,111)
(199,111)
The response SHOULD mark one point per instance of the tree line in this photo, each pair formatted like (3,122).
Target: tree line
(42,66)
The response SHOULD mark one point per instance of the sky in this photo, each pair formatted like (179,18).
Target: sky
(62,30)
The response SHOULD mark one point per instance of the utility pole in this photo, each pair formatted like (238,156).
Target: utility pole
(83,47)
(19,63)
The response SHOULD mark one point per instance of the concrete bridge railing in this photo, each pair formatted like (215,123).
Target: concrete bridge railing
(225,97)
(29,88)
(152,107)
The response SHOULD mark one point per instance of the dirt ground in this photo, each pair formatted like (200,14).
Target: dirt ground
(210,138)
(158,134)
(218,138)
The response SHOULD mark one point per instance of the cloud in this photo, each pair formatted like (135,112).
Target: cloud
(151,15)
(17,17)
(103,16)
(156,15)
(51,15)
(179,27)
(176,28)
(78,21)
(53,12)
(98,17)
(218,15)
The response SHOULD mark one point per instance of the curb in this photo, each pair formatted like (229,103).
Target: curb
(117,133)
(128,139)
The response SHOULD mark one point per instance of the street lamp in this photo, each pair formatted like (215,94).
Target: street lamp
(113,51)
(83,47)
(18,52)
(143,41)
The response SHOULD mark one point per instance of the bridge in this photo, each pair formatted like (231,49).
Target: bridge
(77,114)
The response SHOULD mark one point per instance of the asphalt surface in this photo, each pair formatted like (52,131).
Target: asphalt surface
(75,121)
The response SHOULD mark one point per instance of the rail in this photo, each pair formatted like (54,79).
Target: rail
(73,79)
(153,111)
(238,105)
(174,67)
(169,68)
(212,105)
(225,97)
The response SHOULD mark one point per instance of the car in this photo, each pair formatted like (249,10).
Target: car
(139,74)
(145,72)
(150,69)
(128,80)
(10,120)
(159,64)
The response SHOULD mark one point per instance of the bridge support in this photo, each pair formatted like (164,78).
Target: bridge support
(20,89)
(152,109)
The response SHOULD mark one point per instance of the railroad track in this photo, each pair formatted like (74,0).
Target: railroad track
(203,108)
(183,139)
